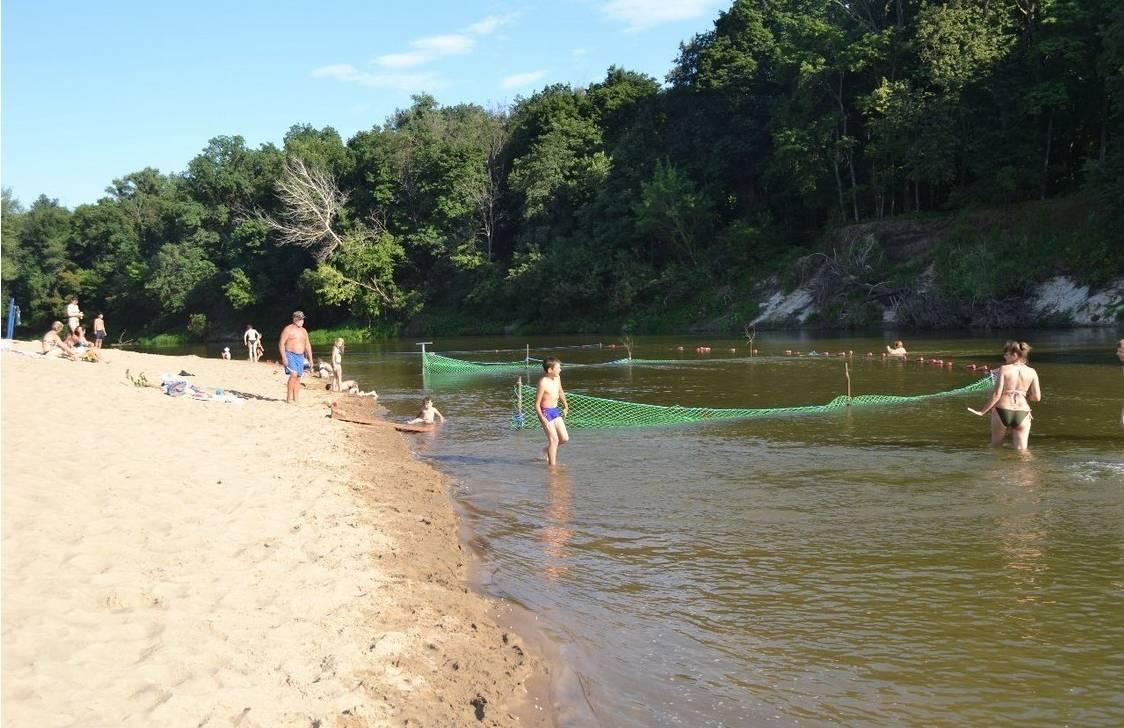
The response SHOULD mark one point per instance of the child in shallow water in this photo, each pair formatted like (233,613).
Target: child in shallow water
(552,408)
(428,414)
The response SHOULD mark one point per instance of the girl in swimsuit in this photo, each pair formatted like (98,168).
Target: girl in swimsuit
(1016,386)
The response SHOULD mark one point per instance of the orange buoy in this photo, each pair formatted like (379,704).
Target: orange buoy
(788,352)
(679,348)
(948,364)
(755,352)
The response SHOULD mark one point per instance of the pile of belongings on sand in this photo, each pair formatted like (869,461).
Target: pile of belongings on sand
(176,386)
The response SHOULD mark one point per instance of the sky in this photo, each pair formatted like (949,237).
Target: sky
(91,91)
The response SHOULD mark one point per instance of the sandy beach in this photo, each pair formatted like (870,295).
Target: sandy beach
(169,561)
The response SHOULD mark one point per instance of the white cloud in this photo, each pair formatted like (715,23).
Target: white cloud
(421,51)
(519,80)
(488,25)
(426,49)
(640,14)
(445,45)
(402,60)
(347,73)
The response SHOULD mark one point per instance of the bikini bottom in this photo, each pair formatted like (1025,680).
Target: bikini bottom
(1011,418)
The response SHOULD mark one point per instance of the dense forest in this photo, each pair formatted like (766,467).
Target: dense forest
(635,202)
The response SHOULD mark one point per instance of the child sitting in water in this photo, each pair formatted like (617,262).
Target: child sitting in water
(428,414)
(897,350)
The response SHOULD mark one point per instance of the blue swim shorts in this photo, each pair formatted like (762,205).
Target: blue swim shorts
(294,363)
(552,413)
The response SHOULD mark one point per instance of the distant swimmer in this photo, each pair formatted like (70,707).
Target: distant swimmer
(898,349)
(552,408)
(428,414)
(1016,386)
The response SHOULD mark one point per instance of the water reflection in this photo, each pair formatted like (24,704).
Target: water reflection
(556,533)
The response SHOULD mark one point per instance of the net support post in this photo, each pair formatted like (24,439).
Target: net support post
(847,372)
(519,402)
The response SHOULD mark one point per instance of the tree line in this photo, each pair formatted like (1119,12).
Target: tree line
(609,204)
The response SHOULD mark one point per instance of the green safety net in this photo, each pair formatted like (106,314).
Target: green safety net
(586,411)
(438,364)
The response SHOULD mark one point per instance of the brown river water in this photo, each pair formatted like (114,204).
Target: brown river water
(876,566)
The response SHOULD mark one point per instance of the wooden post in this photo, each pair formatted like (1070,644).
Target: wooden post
(519,399)
(847,371)
(527,357)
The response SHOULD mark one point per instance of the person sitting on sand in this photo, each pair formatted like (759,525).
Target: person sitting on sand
(53,345)
(323,371)
(225,353)
(428,414)
(897,350)
(1016,386)
(350,386)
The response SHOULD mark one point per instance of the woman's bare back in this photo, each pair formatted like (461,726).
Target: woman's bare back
(1019,386)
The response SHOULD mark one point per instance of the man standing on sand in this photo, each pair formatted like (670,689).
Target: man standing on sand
(296,350)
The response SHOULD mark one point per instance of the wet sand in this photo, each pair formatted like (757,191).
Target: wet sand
(168,561)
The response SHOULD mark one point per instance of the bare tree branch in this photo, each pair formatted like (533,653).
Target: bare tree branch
(311,203)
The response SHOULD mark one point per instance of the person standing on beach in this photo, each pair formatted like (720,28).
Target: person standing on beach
(252,340)
(547,400)
(73,315)
(337,365)
(296,351)
(99,330)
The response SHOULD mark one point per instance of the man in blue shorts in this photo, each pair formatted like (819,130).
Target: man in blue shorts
(296,352)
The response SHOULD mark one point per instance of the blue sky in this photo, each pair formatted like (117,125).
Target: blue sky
(94,90)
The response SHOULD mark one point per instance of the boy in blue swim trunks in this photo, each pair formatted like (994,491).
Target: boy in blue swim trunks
(296,351)
(550,403)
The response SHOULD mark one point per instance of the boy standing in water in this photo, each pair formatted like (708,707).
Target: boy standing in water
(547,400)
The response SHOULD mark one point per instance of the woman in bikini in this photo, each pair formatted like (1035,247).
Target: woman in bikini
(1016,386)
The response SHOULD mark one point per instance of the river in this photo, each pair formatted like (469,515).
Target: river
(875,566)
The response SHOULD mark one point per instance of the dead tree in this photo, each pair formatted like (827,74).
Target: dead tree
(311,202)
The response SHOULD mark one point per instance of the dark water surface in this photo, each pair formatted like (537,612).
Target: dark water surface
(868,567)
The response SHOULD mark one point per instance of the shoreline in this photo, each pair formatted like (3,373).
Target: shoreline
(168,560)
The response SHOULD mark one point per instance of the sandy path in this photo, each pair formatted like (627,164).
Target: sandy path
(176,562)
